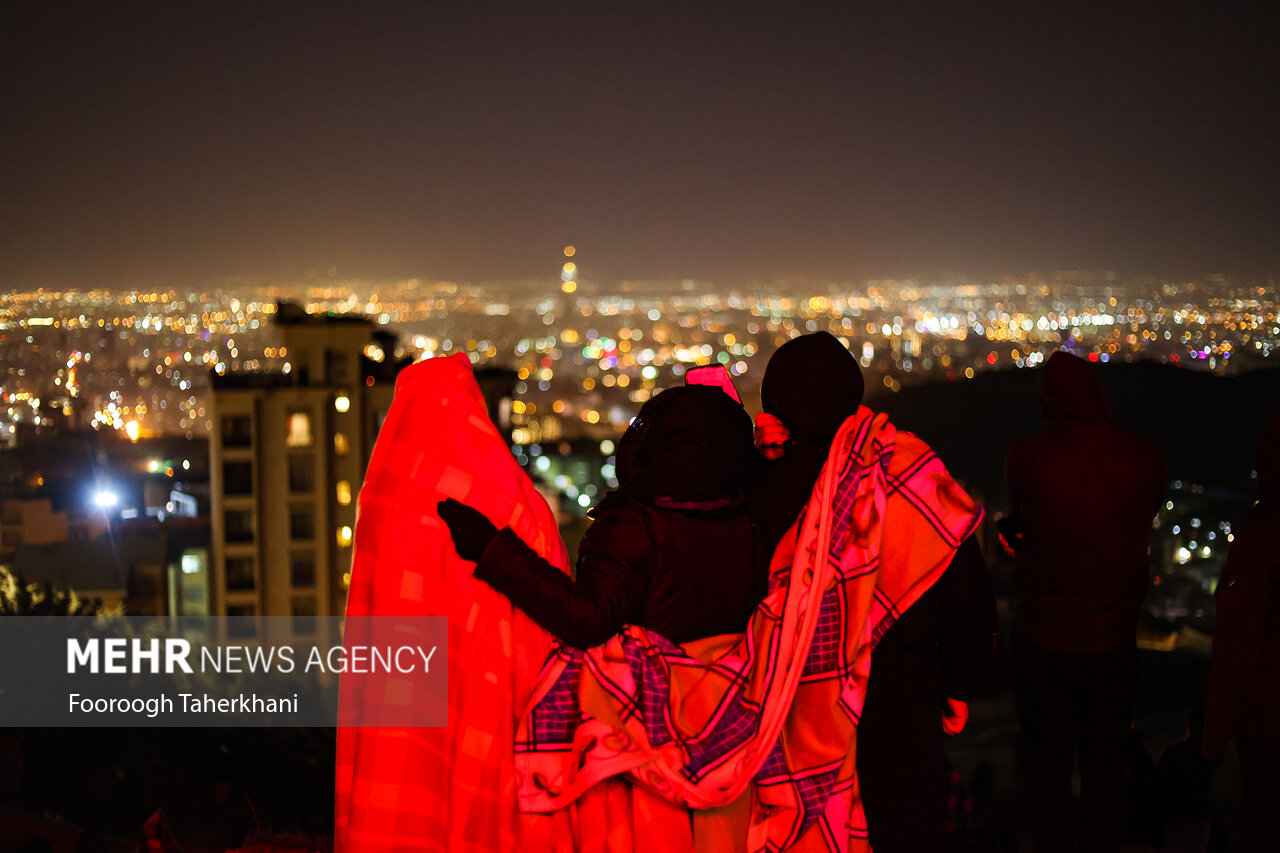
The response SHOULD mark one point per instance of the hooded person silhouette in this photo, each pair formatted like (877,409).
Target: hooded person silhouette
(942,647)
(812,385)
(1081,571)
(1079,579)
(1244,680)
(669,549)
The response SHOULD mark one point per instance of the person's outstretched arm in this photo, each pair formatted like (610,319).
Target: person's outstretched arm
(612,575)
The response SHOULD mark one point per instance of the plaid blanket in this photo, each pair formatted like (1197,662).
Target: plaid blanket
(775,708)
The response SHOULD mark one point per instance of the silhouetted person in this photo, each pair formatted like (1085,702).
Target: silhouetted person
(1083,493)
(1244,681)
(670,549)
(943,647)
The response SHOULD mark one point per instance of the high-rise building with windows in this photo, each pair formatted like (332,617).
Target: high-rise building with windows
(288,452)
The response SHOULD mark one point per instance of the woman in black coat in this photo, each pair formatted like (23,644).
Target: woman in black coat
(669,550)
(944,647)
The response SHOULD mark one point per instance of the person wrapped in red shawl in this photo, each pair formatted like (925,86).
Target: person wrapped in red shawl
(944,647)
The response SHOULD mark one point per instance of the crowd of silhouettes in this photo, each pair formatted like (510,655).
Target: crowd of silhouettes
(683,547)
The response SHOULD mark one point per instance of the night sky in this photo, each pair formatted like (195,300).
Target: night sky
(181,142)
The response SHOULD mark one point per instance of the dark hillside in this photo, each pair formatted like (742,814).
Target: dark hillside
(1208,425)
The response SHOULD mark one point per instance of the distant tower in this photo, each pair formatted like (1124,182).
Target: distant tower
(568,283)
(569,272)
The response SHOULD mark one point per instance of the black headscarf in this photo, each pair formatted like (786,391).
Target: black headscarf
(689,448)
(812,384)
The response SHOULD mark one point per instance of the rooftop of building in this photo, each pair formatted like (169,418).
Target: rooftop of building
(292,314)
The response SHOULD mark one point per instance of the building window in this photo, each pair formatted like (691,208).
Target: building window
(237,431)
(304,614)
(344,493)
(242,620)
(344,536)
(302,570)
(237,478)
(238,525)
(302,523)
(299,434)
(341,447)
(240,575)
(335,366)
(302,473)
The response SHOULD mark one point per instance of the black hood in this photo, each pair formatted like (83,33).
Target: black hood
(688,445)
(1071,390)
(812,384)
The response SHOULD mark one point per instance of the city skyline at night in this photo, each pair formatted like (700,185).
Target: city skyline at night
(140,362)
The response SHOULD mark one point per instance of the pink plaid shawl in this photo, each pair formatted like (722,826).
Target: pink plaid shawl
(777,706)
